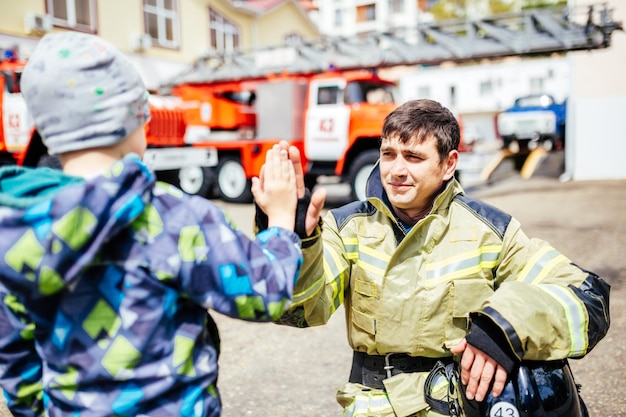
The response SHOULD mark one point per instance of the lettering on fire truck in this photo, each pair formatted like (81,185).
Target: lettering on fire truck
(14,121)
(327,125)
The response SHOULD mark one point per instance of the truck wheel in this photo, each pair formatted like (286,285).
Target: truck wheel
(50,161)
(548,145)
(360,171)
(232,183)
(37,155)
(195,180)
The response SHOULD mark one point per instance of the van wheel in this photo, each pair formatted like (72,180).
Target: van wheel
(232,183)
(360,172)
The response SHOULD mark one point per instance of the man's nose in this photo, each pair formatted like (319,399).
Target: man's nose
(399,168)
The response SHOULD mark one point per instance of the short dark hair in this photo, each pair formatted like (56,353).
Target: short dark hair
(419,119)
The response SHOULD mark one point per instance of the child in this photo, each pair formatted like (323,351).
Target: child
(106,275)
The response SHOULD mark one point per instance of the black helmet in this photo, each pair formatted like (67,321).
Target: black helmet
(534,389)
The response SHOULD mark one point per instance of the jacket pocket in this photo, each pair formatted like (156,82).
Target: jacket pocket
(365,322)
(465,295)
(406,393)
(365,297)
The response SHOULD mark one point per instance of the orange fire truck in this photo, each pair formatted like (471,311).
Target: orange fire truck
(169,132)
(325,114)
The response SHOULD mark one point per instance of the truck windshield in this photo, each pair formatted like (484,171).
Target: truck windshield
(535,101)
(11,81)
(368,92)
(243,97)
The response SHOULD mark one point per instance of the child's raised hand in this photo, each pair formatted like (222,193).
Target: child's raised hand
(275,191)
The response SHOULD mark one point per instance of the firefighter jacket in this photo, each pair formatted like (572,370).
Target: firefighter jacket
(419,292)
(105,287)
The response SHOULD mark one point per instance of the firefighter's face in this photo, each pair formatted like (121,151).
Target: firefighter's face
(413,174)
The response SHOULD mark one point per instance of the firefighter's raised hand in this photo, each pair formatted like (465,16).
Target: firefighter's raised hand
(478,370)
(275,191)
(317,198)
(294,157)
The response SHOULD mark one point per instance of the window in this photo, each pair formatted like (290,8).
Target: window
(11,81)
(486,88)
(328,95)
(396,6)
(338,17)
(426,5)
(367,92)
(423,91)
(292,39)
(453,96)
(161,22)
(539,100)
(366,13)
(224,33)
(536,85)
(74,14)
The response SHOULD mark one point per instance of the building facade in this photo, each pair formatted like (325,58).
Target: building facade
(478,93)
(355,17)
(161,37)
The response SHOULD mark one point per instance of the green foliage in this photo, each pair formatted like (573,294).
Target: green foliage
(457,9)
(449,9)
(542,4)
(501,6)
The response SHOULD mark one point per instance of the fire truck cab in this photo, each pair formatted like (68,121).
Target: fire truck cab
(16,125)
(334,117)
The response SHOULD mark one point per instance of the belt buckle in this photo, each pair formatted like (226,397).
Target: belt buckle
(388,366)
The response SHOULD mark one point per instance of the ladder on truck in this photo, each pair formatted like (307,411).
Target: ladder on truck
(527,33)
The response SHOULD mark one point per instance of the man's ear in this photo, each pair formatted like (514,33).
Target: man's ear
(450,164)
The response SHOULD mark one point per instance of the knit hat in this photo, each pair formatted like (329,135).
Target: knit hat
(82,92)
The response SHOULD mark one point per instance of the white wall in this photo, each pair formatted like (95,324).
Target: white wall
(598,128)
(597,110)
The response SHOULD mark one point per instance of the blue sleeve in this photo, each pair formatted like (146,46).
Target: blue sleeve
(225,270)
(20,365)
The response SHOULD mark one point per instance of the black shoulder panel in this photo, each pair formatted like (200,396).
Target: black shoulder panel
(495,218)
(356,208)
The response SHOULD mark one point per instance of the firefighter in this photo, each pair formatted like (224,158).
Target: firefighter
(429,276)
